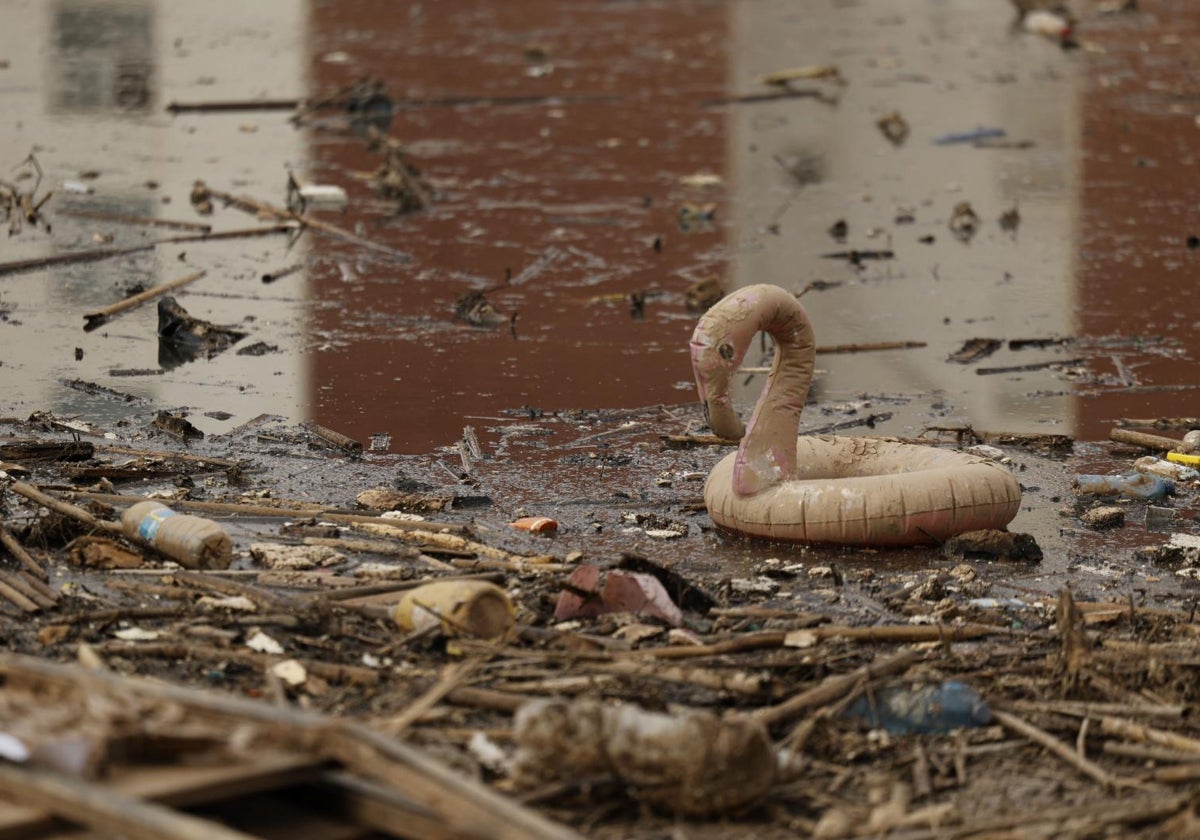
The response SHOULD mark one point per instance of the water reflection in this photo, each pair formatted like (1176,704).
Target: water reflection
(104,56)
(576,150)
(945,68)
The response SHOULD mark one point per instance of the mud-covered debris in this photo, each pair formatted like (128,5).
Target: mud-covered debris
(974,349)
(397,179)
(102,553)
(183,338)
(904,709)
(275,556)
(1137,486)
(1149,465)
(201,199)
(258,348)
(682,591)
(694,217)
(19,208)
(992,544)
(894,127)
(384,498)
(369,105)
(702,294)
(477,310)
(812,72)
(458,608)
(176,426)
(591,591)
(1010,220)
(1180,551)
(1105,516)
(963,222)
(689,762)
(48,450)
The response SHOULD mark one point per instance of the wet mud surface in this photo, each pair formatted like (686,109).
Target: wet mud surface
(1023,253)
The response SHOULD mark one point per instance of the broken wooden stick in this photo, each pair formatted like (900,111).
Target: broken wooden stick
(65,508)
(96,254)
(101,316)
(253,510)
(456,804)
(336,439)
(1045,739)
(105,810)
(252,205)
(987,371)
(833,688)
(870,347)
(18,551)
(1158,443)
(149,221)
(215,106)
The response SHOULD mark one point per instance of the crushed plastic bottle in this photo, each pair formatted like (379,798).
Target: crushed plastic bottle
(193,542)
(1144,488)
(903,709)
(1149,465)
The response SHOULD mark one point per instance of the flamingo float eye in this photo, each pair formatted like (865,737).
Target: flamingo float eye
(726,352)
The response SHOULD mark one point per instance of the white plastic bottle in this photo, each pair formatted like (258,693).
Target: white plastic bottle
(193,542)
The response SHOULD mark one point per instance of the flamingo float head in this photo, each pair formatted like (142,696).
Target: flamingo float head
(767,453)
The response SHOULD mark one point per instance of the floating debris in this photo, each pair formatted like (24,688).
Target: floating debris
(894,127)
(477,310)
(183,338)
(963,222)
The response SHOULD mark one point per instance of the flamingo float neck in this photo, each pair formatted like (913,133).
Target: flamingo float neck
(766,455)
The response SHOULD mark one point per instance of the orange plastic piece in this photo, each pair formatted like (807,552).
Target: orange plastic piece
(535,524)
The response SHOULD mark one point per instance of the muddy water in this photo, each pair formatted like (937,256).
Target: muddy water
(562,142)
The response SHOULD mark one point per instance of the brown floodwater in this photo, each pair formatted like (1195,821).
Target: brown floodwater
(562,142)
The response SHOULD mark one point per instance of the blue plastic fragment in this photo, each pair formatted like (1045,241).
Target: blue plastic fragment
(926,709)
(1144,488)
(969,136)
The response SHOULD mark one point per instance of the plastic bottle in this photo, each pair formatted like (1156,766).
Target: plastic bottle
(904,709)
(191,541)
(459,607)
(1144,488)
(1149,465)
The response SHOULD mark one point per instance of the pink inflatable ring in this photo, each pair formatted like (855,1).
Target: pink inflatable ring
(847,491)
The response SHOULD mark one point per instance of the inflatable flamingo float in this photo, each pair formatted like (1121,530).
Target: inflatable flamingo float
(824,489)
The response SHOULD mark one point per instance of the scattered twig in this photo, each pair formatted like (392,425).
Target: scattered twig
(65,508)
(96,254)
(262,208)
(835,687)
(121,218)
(1148,441)
(1070,756)
(1050,363)
(102,316)
(18,551)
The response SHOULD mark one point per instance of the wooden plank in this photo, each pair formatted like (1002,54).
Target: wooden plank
(103,809)
(464,806)
(179,786)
